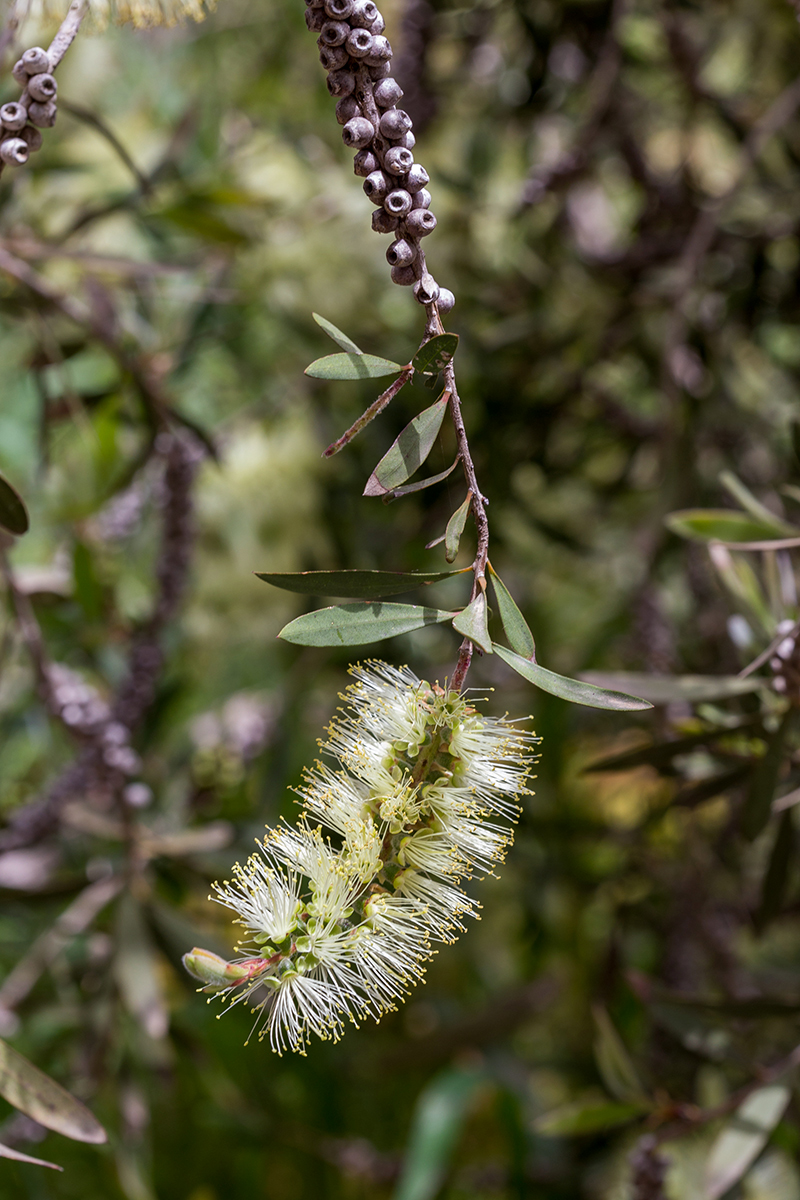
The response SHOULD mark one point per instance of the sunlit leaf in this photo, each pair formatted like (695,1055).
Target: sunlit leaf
(340,338)
(614,1063)
(13,513)
(41,1098)
(673,689)
(473,624)
(514,624)
(351,366)
(435,354)
(18,1156)
(455,528)
(356,624)
(722,525)
(422,484)
(573,690)
(743,1138)
(586,1117)
(438,1119)
(408,451)
(361,585)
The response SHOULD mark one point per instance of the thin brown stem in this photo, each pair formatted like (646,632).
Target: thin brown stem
(371,413)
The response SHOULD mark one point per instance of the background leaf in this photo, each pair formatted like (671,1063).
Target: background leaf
(340,338)
(743,1138)
(351,366)
(41,1098)
(357,624)
(665,689)
(584,1118)
(362,585)
(438,1119)
(724,525)
(408,451)
(18,1156)
(569,689)
(614,1062)
(13,513)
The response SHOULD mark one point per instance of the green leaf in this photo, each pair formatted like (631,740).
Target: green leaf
(614,1063)
(713,785)
(514,624)
(661,754)
(744,586)
(455,528)
(435,354)
(722,525)
(586,1117)
(438,1119)
(569,689)
(757,510)
(422,484)
(362,585)
(13,513)
(743,1138)
(18,1156)
(41,1098)
(776,876)
(408,451)
(340,338)
(356,624)
(758,801)
(660,689)
(472,623)
(351,366)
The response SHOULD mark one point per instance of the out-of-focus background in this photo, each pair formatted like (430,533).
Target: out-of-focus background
(617,193)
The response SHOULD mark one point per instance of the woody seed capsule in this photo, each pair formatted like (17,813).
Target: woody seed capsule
(315,19)
(378,25)
(13,115)
(31,137)
(43,115)
(384,222)
(346,109)
(341,83)
(333,33)
(21,76)
(420,222)
(339,9)
(426,289)
(407,141)
(381,51)
(416,178)
(364,14)
(376,187)
(403,275)
(400,253)
(445,301)
(14,151)
(387,93)
(333,57)
(379,72)
(398,160)
(394,123)
(36,61)
(358,133)
(398,203)
(422,199)
(359,43)
(364,163)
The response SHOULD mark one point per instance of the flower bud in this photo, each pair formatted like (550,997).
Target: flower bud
(364,163)
(341,83)
(346,109)
(36,61)
(211,969)
(445,301)
(359,43)
(315,19)
(384,222)
(394,123)
(31,137)
(400,253)
(426,289)
(387,93)
(21,76)
(358,133)
(364,14)
(417,178)
(14,151)
(339,9)
(376,187)
(43,87)
(333,33)
(405,277)
(422,199)
(420,222)
(381,51)
(398,203)
(13,115)
(398,160)
(43,115)
(333,57)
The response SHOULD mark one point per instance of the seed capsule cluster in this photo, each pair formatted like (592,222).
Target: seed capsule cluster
(36,109)
(357,56)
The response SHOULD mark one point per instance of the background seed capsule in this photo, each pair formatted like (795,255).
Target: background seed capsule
(21,76)
(364,163)
(31,137)
(445,301)
(421,199)
(36,60)
(384,222)
(315,19)
(359,43)
(346,109)
(400,253)
(376,187)
(339,10)
(14,151)
(364,14)
(341,83)
(403,275)
(394,123)
(426,289)
(358,133)
(398,203)
(417,178)
(333,57)
(13,115)
(387,92)
(420,222)
(398,160)
(333,33)
(43,115)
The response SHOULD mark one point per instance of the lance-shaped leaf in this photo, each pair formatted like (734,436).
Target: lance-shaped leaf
(472,623)
(740,579)
(585,1117)
(356,624)
(758,801)
(754,507)
(351,366)
(661,754)
(18,1156)
(667,689)
(722,525)
(574,690)
(614,1063)
(439,1117)
(455,528)
(361,585)
(13,513)
(435,354)
(514,624)
(776,877)
(743,1138)
(41,1098)
(422,484)
(408,451)
(340,338)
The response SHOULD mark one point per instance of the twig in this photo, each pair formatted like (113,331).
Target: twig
(91,118)
(67,32)
(373,411)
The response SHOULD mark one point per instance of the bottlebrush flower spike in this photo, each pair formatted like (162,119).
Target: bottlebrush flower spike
(340,929)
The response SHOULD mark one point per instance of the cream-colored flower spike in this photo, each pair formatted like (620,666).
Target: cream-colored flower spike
(143,14)
(339,927)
